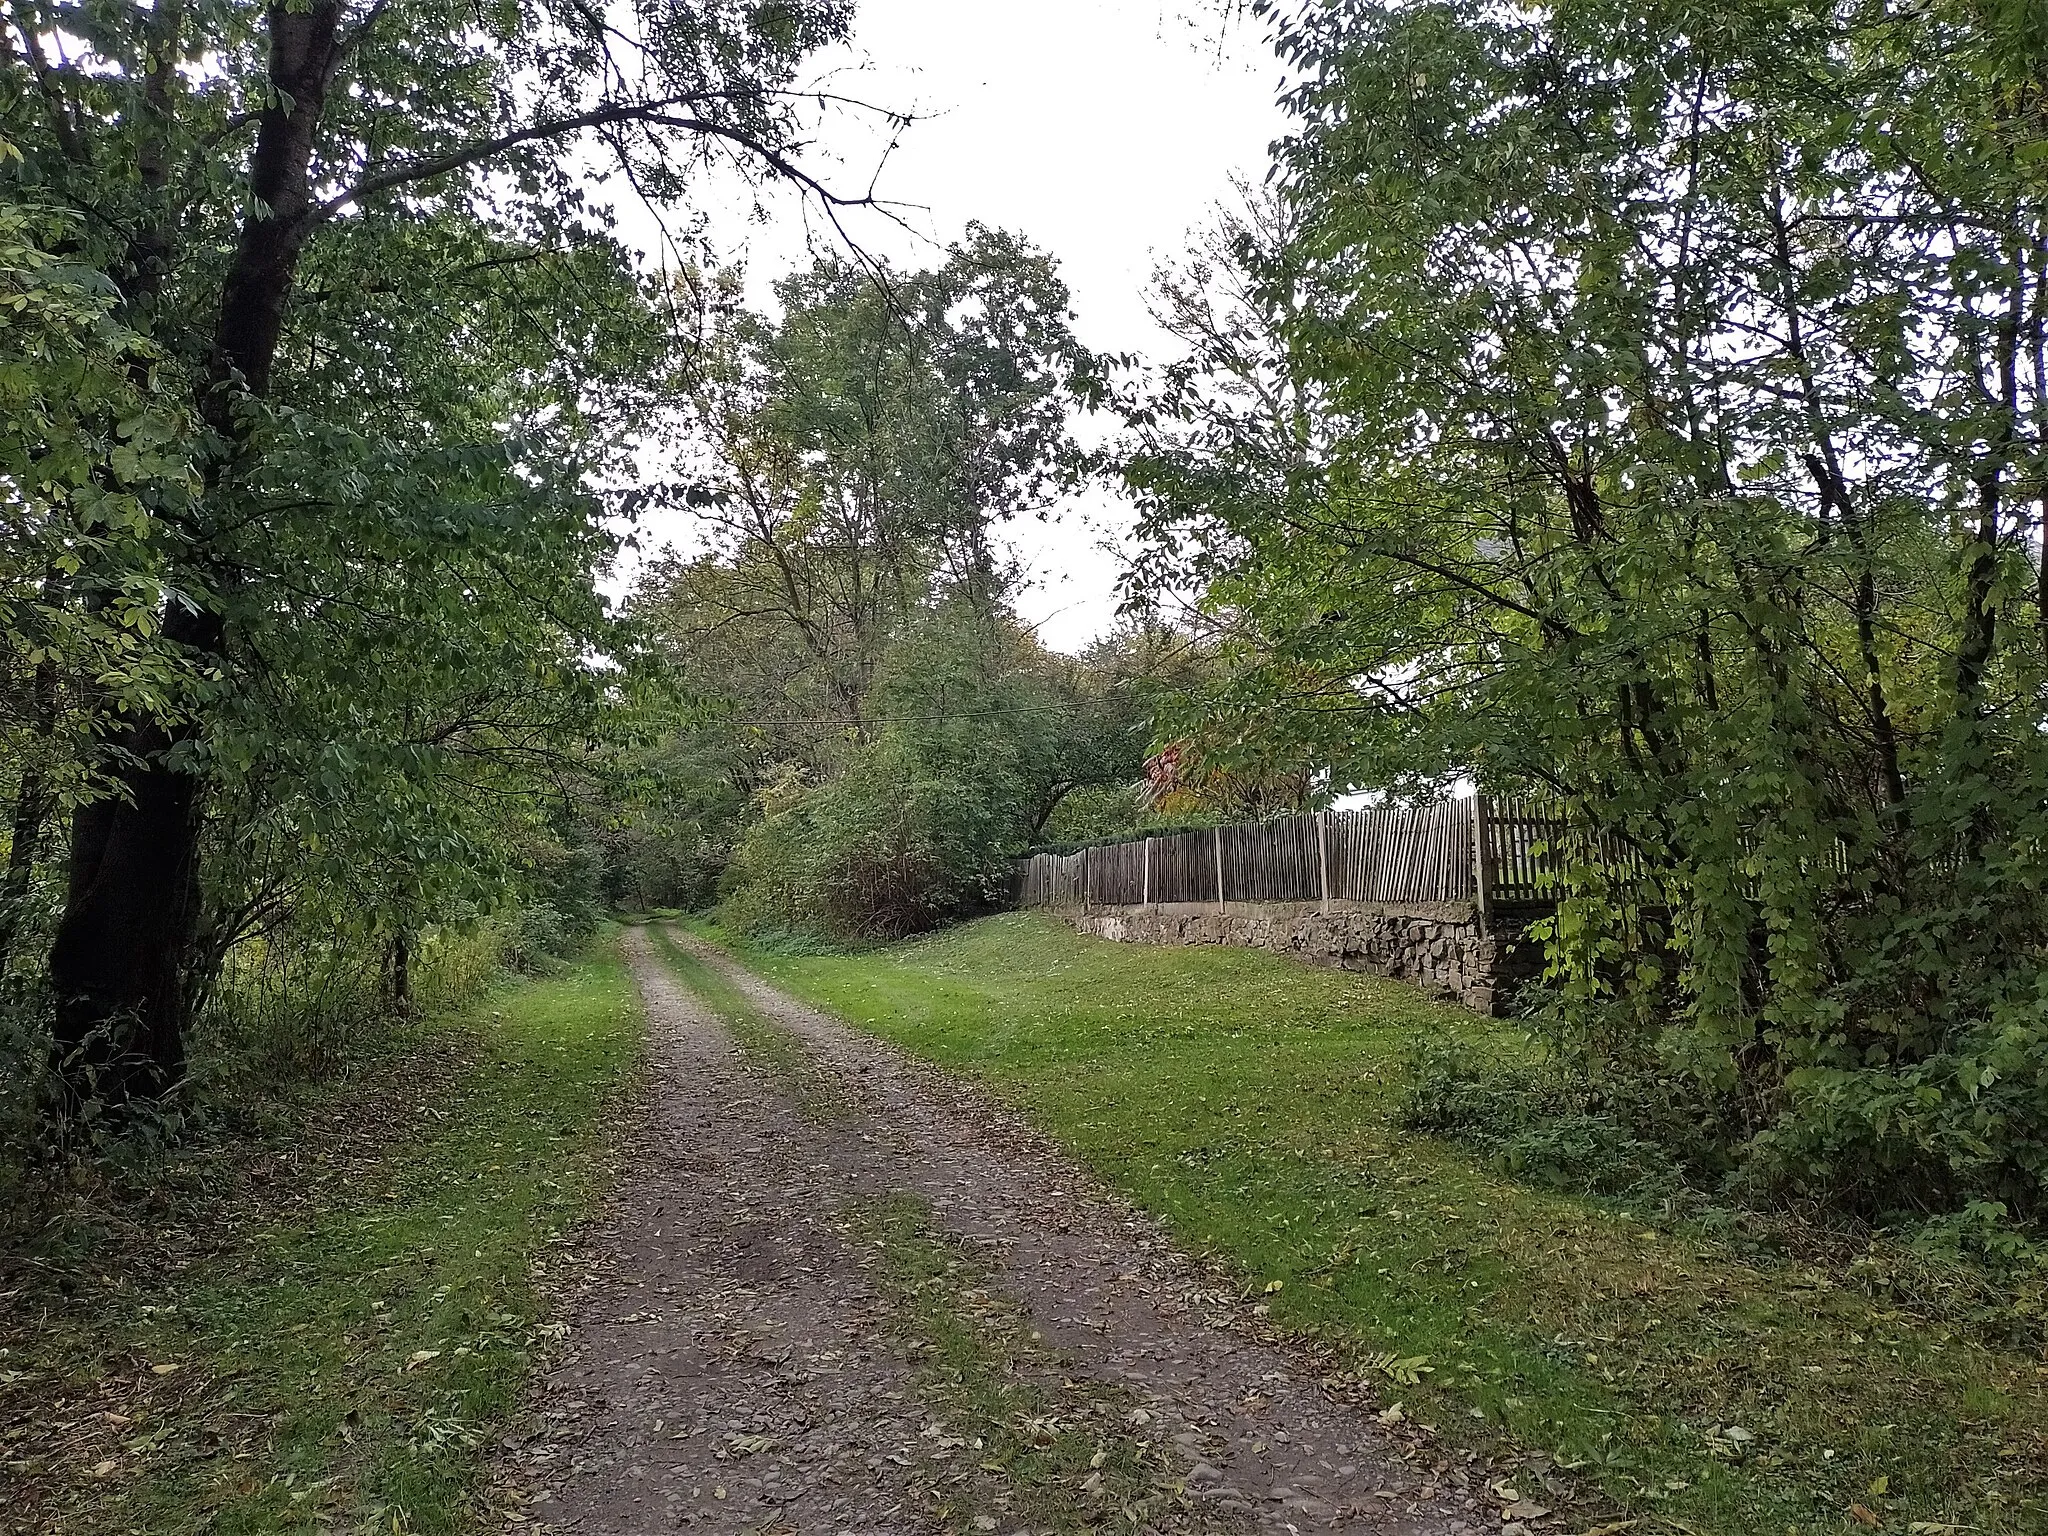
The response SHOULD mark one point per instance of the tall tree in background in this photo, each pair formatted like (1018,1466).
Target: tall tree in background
(891,730)
(1681,396)
(853,459)
(1227,436)
(354,243)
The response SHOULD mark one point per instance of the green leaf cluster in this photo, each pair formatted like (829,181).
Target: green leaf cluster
(1642,404)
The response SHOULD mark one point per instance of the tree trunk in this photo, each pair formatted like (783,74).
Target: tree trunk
(117,965)
(401,975)
(1980,612)
(121,961)
(2041,581)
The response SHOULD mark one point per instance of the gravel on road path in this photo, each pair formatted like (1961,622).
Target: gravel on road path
(736,1361)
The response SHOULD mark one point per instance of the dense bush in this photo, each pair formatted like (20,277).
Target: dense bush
(890,847)
(539,936)
(288,1008)
(1541,1121)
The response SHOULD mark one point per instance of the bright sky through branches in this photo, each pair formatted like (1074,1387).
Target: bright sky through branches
(1103,130)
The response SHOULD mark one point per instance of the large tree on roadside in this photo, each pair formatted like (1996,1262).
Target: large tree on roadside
(260,185)
(1681,399)
(85,458)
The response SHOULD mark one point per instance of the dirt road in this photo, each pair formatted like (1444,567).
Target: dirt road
(832,1275)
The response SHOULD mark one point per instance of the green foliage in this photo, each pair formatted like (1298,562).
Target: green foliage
(301,446)
(541,937)
(295,1005)
(874,732)
(1540,1122)
(1640,405)
(980,736)
(90,462)
(1100,813)
(889,847)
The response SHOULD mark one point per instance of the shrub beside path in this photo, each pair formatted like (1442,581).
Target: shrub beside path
(831,1274)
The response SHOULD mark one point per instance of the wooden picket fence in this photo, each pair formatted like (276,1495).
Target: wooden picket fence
(1484,849)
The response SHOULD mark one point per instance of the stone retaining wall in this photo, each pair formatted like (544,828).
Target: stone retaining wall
(1438,948)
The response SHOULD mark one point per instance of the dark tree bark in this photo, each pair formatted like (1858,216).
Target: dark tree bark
(2041,581)
(401,975)
(1980,614)
(121,960)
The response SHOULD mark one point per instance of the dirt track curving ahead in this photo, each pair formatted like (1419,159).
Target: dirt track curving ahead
(737,1358)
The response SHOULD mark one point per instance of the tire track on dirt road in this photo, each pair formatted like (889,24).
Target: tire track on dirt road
(731,1365)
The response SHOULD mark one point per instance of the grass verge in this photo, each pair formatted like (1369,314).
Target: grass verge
(1703,1382)
(320,1331)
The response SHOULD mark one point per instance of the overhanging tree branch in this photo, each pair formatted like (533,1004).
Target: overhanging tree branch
(657,114)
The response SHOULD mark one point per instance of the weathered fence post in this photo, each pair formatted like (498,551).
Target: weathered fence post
(1482,865)
(1323,860)
(1148,873)
(1221,906)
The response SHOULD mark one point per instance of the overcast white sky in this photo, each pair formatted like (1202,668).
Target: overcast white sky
(1103,130)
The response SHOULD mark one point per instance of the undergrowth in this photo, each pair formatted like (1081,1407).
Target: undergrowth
(320,1325)
(1541,1121)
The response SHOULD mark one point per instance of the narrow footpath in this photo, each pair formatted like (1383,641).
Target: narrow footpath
(731,1363)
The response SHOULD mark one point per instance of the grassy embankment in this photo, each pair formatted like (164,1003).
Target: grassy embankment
(1707,1382)
(319,1331)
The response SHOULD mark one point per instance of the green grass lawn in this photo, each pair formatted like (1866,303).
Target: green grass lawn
(1251,1103)
(331,1325)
